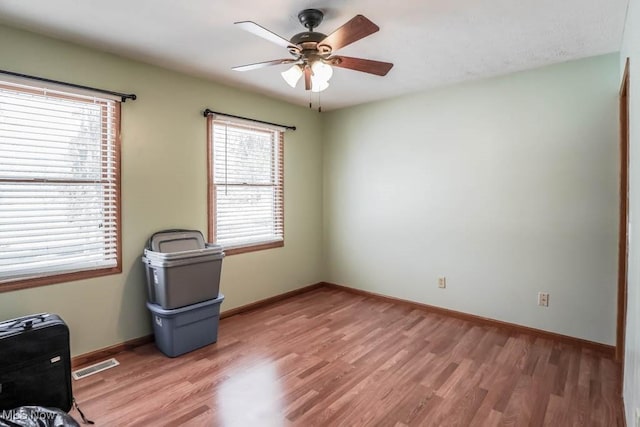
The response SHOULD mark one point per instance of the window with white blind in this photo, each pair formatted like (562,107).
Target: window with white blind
(59,186)
(246,185)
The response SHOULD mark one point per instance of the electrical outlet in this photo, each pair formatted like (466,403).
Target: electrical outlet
(442,282)
(543,299)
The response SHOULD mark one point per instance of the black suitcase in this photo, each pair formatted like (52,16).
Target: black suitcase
(35,363)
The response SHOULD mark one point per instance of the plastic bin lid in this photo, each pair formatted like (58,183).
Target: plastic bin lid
(175,259)
(156,309)
(176,241)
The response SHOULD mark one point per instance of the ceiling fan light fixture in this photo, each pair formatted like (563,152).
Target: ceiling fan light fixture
(292,75)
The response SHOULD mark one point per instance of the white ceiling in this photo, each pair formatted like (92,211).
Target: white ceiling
(431,42)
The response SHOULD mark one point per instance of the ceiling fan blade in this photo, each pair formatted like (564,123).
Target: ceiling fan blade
(358,64)
(257,65)
(259,31)
(307,78)
(357,28)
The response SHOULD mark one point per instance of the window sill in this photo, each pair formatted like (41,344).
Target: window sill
(253,248)
(57,278)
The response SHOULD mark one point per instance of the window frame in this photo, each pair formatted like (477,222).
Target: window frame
(211,190)
(52,278)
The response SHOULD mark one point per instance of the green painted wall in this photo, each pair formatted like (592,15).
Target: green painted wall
(507,186)
(164,180)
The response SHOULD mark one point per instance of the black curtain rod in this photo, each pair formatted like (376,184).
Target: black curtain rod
(123,96)
(208,112)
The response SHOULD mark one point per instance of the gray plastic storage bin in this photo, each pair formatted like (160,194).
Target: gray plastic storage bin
(187,272)
(185,329)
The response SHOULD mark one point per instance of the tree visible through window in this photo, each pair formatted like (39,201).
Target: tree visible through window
(59,186)
(246,200)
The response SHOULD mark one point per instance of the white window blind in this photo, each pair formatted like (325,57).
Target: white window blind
(247,200)
(59,182)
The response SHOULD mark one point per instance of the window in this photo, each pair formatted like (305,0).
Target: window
(59,186)
(246,183)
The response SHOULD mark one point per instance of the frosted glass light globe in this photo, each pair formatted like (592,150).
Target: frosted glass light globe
(322,71)
(292,75)
(318,85)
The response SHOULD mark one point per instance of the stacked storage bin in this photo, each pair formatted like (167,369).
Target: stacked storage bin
(183,282)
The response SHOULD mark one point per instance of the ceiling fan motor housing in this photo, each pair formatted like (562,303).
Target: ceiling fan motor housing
(308,36)
(308,40)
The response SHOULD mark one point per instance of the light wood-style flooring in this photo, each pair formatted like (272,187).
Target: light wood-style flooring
(331,358)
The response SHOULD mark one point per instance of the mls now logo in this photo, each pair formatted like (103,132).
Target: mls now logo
(23,415)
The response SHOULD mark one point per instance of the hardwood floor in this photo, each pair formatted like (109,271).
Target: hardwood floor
(331,358)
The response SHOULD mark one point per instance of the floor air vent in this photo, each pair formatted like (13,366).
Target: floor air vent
(94,369)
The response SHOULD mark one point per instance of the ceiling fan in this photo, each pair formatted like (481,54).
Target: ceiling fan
(313,52)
